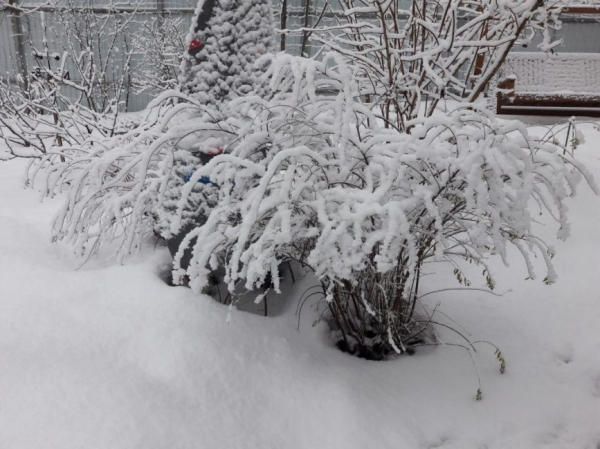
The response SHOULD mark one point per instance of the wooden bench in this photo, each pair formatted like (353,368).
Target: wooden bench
(560,85)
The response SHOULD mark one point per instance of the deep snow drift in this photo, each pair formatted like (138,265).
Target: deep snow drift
(109,356)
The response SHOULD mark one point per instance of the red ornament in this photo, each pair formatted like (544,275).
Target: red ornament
(215,151)
(195,45)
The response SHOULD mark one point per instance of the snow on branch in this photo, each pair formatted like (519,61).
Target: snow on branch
(315,176)
(410,59)
(114,184)
(319,178)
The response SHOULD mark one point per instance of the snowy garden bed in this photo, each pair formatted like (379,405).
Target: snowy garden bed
(410,221)
(110,356)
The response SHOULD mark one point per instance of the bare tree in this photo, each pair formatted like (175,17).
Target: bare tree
(410,55)
(160,46)
(79,83)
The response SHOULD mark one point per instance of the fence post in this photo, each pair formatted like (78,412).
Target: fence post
(17,31)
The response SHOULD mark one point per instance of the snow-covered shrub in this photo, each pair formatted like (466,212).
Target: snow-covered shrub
(115,185)
(329,171)
(318,178)
(313,175)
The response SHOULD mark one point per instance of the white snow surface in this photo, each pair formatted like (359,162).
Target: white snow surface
(109,356)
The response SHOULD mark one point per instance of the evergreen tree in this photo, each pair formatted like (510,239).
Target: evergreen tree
(227,39)
(199,202)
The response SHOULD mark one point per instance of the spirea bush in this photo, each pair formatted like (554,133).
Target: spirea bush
(314,176)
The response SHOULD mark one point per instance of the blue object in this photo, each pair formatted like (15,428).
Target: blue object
(202,180)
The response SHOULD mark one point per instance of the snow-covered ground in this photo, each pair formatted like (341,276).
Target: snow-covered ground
(111,357)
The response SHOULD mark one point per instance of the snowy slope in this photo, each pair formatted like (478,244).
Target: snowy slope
(111,357)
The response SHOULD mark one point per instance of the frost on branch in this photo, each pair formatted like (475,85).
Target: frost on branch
(318,178)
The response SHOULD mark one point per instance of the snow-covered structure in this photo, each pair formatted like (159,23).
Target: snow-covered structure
(563,84)
(563,81)
(562,73)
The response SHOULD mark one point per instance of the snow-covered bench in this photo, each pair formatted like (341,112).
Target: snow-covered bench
(539,84)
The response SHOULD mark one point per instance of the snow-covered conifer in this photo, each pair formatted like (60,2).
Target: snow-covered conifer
(224,44)
(226,40)
(200,201)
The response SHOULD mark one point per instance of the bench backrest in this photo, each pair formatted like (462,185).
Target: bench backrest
(553,74)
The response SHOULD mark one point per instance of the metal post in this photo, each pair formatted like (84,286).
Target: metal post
(17,30)
(283,22)
(305,34)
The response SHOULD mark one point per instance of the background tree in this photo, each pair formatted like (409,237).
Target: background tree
(160,44)
(79,84)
